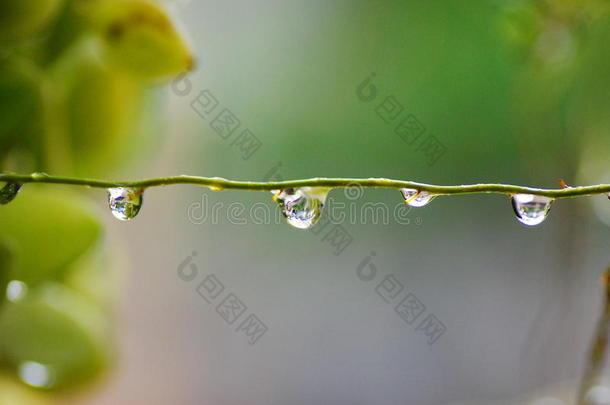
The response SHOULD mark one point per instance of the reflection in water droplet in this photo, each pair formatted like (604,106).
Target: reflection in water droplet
(531,209)
(9,192)
(416,198)
(301,206)
(16,290)
(36,374)
(125,202)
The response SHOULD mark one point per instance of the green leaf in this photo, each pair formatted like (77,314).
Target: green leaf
(49,230)
(5,269)
(96,275)
(104,109)
(22,18)
(20,98)
(59,329)
(13,392)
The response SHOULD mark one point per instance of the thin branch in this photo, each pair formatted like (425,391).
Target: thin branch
(597,373)
(218,183)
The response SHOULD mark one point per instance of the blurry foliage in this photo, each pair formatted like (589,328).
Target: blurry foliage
(561,104)
(75,98)
(563,48)
(47,213)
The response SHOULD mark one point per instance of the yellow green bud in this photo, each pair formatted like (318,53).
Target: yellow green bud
(140,37)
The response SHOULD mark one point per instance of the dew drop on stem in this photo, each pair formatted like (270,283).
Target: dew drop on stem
(531,209)
(416,198)
(302,207)
(125,202)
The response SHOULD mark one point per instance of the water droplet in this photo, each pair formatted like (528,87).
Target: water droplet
(301,206)
(125,202)
(531,209)
(39,175)
(9,192)
(416,198)
(216,188)
(16,290)
(36,374)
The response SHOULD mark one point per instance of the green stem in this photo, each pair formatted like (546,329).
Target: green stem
(224,184)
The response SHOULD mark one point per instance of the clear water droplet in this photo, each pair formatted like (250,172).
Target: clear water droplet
(302,207)
(531,209)
(9,192)
(416,198)
(39,175)
(125,202)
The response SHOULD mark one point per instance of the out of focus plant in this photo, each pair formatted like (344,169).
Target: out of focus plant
(562,89)
(77,96)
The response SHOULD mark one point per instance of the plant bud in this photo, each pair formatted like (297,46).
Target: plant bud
(139,37)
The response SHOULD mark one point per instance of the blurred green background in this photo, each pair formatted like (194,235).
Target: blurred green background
(514,92)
